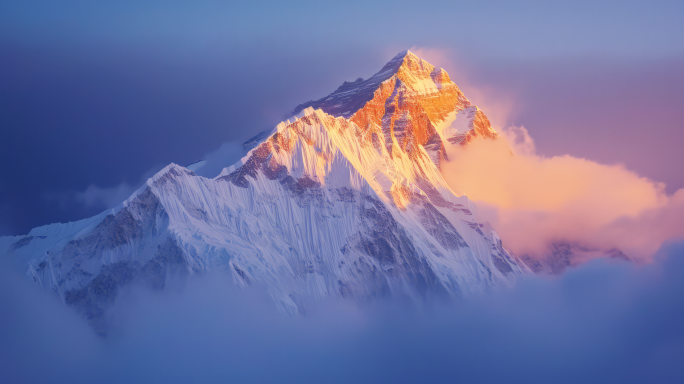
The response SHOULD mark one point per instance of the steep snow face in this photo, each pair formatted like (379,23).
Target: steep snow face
(346,201)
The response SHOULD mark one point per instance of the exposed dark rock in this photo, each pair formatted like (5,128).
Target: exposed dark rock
(148,208)
(274,171)
(169,178)
(615,253)
(377,248)
(489,271)
(119,229)
(437,199)
(251,167)
(440,228)
(345,194)
(562,255)
(475,226)
(502,260)
(384,241)
(299,186)
(93,299)
(113,231)
(168,258)
(501,264)
(254,141)
(351,96)
(534,264)
(242,274)
(21,243)
(74,273)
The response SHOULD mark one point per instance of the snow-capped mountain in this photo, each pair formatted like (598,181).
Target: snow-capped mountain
(345,200)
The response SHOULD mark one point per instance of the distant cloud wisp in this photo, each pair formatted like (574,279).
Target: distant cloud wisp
(110,197)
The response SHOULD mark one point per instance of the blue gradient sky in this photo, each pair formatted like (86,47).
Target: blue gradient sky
(104,93)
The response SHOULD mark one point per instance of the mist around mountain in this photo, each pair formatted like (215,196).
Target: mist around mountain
(605,321)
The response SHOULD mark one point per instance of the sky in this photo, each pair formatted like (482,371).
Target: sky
(97,96)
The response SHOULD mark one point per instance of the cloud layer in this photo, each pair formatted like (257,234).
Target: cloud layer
(533,200)
(603,322)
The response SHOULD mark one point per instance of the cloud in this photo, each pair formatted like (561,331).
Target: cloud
(95,196)
(605,321)
(105,197)
(533,200)
(227,154)
(109,197)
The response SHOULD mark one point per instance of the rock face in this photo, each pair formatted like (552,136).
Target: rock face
(562,255)
(411,101)
(345,201)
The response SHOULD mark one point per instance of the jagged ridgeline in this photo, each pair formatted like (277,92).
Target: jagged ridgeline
(344,201)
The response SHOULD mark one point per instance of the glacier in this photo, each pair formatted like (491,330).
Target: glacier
(344,200)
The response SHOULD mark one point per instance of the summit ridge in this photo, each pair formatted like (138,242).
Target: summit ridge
(352,96)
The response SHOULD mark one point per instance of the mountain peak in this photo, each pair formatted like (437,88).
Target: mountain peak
(411,101)
(403,54)
(407,64)
(350,206)
(352,96)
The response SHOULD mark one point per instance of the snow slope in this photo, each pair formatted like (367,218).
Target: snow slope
(345,201)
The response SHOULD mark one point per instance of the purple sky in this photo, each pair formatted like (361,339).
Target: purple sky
(103,94)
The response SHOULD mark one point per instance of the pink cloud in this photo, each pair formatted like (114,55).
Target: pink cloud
(533,200)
